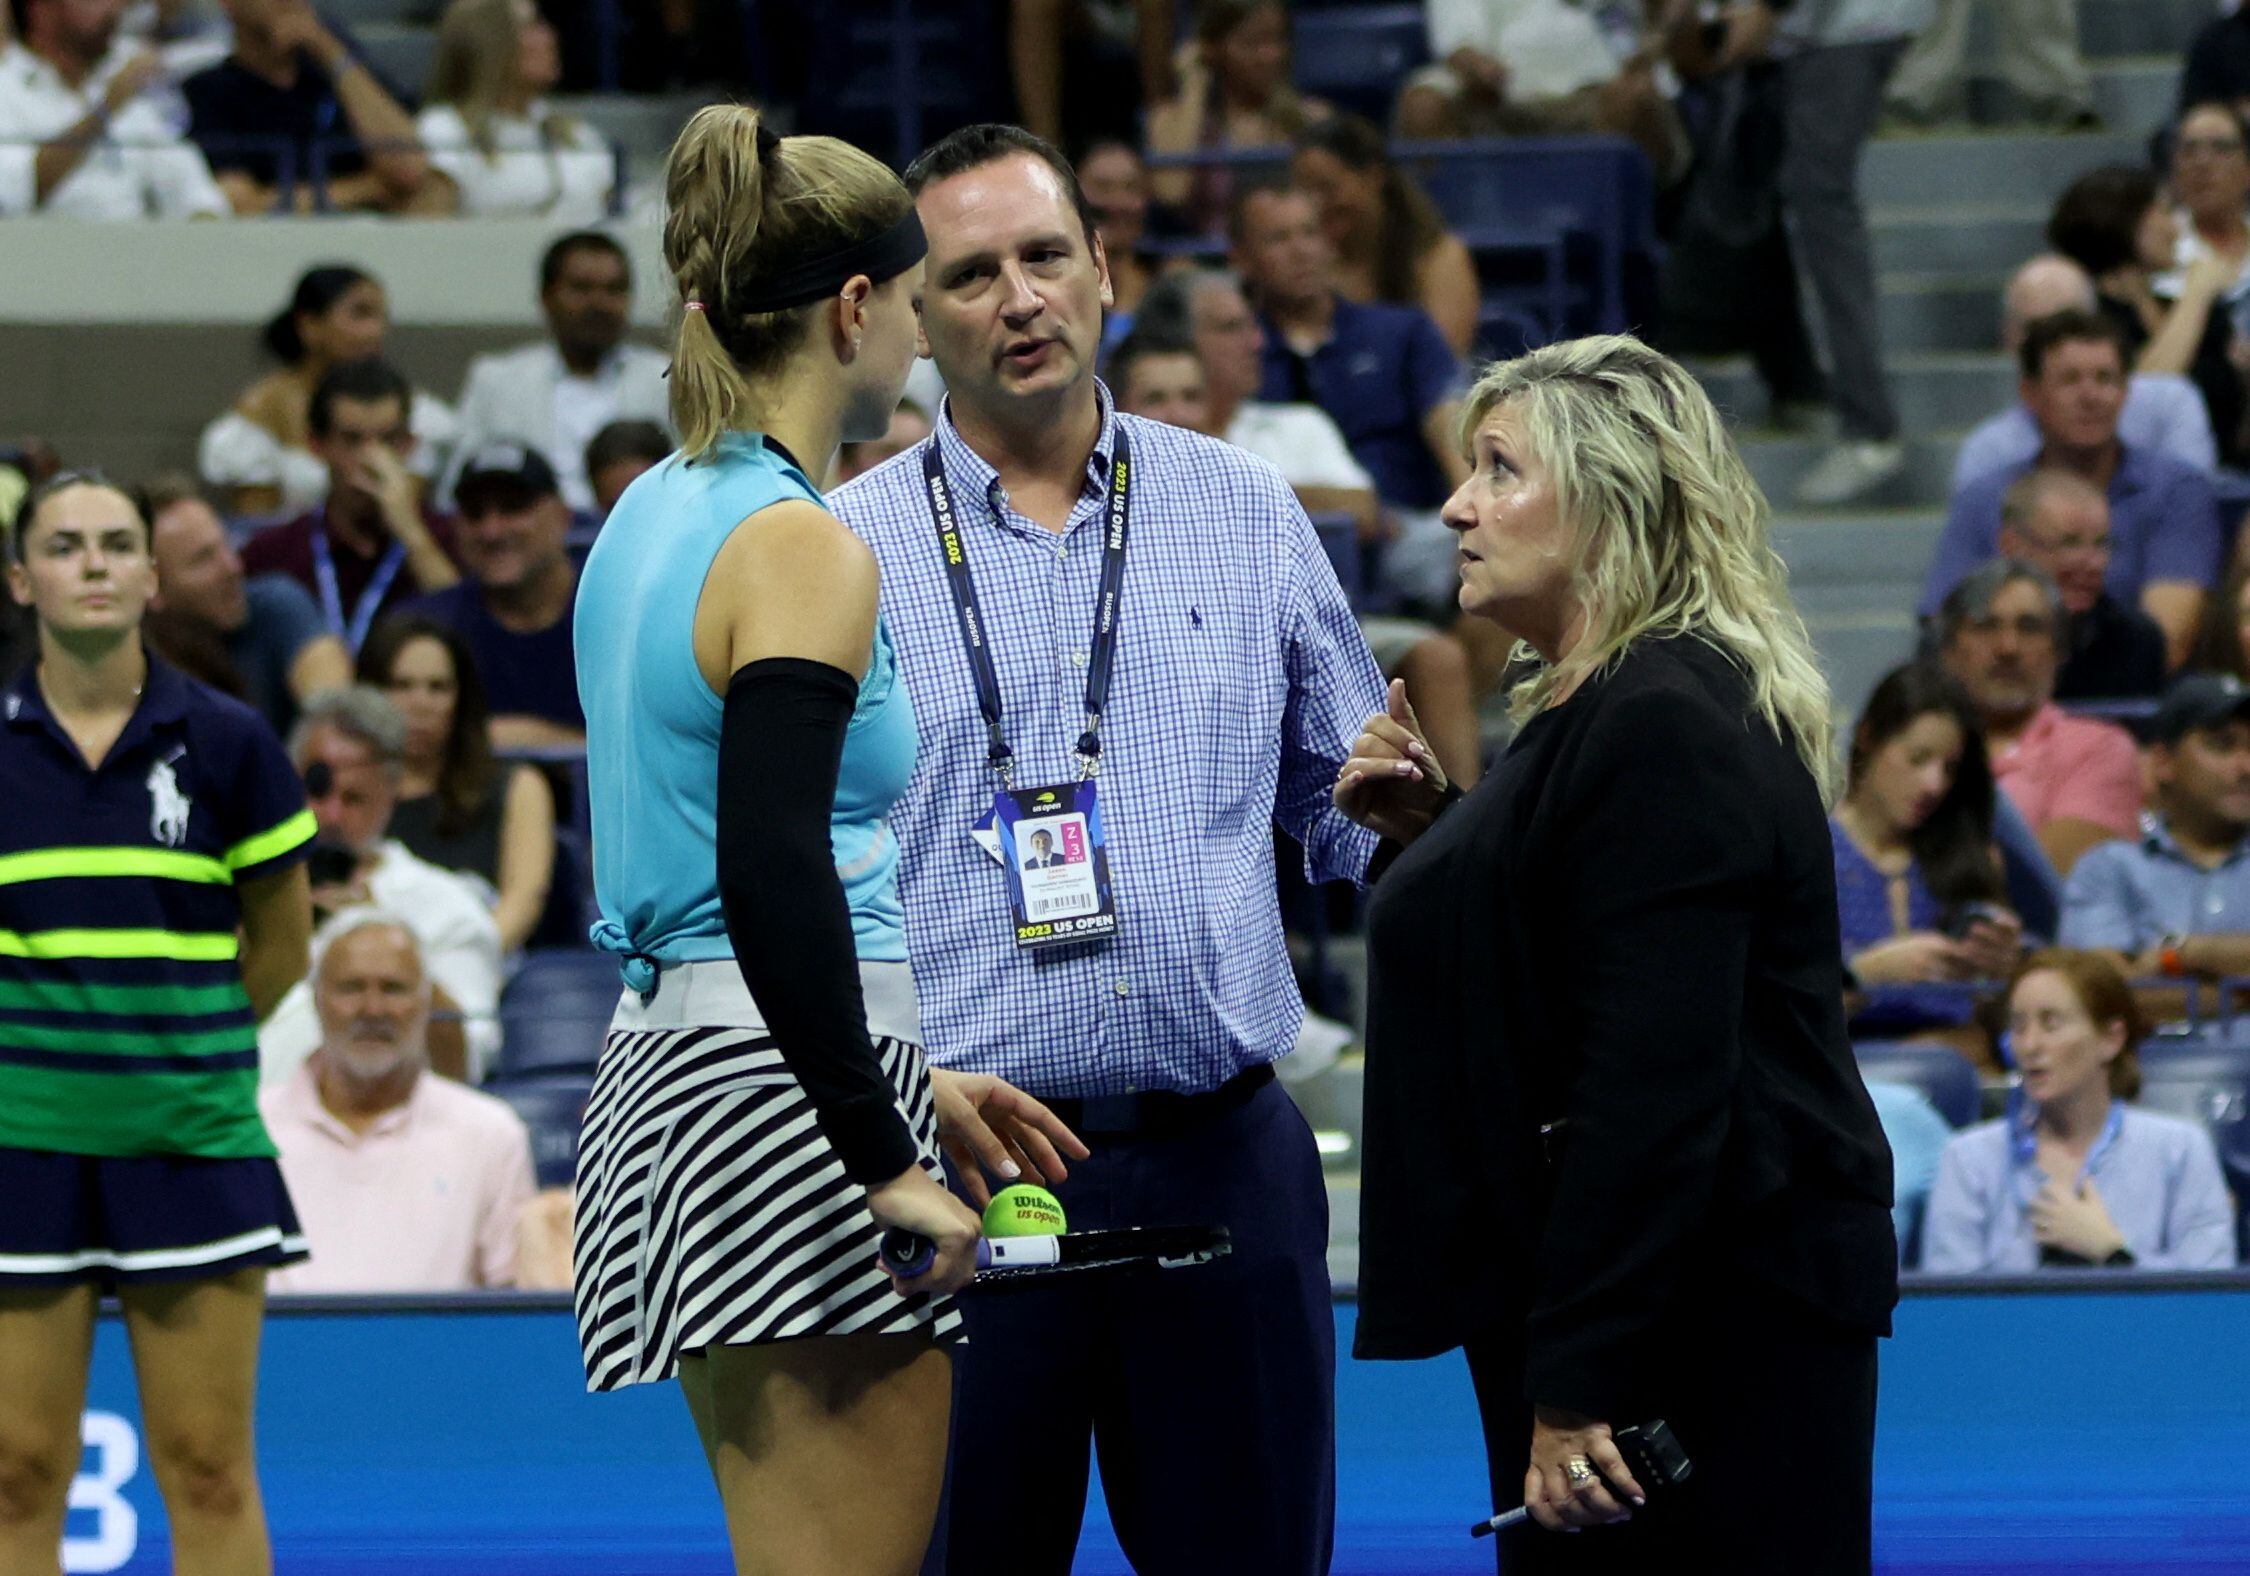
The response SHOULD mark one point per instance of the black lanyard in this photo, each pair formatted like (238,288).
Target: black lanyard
(977,638)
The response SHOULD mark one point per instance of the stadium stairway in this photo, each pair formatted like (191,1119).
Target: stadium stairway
(1953,212)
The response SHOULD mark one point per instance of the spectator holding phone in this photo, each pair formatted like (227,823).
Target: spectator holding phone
(2074,1175)
(1919,891)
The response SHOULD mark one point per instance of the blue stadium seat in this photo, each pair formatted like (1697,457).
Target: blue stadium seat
(2207,1083)
(1938,1072)
(536,1041)
(1518,193)
(572,981)
(552,1107)
(1356,56)
(1339,535)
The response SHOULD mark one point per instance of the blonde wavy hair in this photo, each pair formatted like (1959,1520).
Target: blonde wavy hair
(1670,532)
(735,211)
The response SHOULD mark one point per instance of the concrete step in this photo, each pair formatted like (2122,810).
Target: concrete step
(2137,96)
(1857,650)
(1779,463)
(360,14)
(1849,549)
(1940,312)
(1955,240)
(2109,28)
(1936,391)
(399,53)
(2133,95)
(1983,169)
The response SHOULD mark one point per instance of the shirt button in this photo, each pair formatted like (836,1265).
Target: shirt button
(1123,987)
(1078,658)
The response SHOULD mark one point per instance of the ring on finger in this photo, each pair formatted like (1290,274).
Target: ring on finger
(1580,1471)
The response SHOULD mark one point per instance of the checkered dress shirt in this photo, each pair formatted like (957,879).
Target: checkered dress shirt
(1239,683)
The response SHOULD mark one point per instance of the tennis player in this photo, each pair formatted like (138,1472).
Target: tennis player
(153,907)
(762,1108)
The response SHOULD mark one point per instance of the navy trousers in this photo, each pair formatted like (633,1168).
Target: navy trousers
(1208,1392)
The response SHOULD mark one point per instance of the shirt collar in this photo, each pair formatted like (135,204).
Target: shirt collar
(2023,1135)
(2157,838)
(303,1093)
(164,702)
(1338,324)
(970,475)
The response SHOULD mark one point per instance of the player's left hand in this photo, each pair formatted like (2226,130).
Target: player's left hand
(988,1124)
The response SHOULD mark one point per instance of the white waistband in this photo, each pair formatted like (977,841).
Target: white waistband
(712,995)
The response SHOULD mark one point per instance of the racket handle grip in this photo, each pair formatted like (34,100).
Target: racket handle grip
(907,1254)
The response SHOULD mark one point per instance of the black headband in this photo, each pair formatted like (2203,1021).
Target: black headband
(883,255)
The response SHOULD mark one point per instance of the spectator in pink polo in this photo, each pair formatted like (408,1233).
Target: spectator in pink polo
(405,1181)
(2075,779)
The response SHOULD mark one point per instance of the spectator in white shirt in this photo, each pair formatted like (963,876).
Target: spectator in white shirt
(1537,68)
(489,128)
(80,137)
(405,1182)
(553,397)
(351,746)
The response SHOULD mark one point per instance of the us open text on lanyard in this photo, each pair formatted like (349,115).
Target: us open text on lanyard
(1048,839)
(354,631)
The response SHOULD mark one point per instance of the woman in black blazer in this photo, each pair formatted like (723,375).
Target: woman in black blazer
(1615,1142)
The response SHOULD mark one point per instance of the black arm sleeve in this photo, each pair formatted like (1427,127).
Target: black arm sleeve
(781,745)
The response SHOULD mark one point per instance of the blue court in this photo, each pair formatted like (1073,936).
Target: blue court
(2068,1429)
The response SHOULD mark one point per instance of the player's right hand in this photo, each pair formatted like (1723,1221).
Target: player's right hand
(913,1201)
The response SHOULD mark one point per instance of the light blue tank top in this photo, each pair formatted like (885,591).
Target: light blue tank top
(652,723)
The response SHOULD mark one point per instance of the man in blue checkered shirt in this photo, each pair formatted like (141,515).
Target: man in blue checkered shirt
(1238,683)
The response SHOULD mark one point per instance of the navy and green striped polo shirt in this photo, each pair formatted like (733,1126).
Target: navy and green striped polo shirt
(124,1027)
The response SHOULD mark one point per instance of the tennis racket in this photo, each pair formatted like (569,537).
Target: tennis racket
(1013,1260)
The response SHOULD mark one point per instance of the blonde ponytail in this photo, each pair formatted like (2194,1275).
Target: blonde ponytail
(741,203)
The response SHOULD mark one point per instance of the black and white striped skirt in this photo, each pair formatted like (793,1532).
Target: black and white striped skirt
(711,1211)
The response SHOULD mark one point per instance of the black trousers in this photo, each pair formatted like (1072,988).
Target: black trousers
(1208,1392)
(1774,1404)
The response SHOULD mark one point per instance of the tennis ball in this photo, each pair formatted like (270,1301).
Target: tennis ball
(1023,1211)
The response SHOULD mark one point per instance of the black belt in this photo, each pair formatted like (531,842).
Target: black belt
(1158,1111)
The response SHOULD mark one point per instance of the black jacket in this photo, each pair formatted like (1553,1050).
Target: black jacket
(1629,925)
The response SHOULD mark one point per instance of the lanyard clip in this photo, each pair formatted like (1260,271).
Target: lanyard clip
(1090,747)
(998,756)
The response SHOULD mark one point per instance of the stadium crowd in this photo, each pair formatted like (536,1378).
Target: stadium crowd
(2042,852)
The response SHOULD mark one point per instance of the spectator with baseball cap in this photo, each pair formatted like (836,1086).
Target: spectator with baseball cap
(513,607)
(2176,899)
